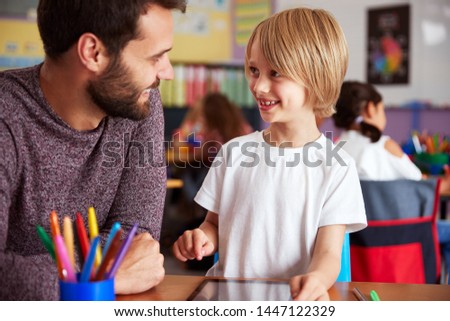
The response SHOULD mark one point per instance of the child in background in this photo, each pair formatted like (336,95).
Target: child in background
(222,121)
(213,121)
(360,112)
(283,198)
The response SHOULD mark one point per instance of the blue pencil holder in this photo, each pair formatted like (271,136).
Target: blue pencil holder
(87,291)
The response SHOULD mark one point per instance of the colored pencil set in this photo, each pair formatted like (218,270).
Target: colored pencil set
(431,144)
(97,264)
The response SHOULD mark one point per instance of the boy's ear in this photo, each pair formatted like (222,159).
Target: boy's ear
(92,53)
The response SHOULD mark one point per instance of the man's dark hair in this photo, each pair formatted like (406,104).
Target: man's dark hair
(114,22)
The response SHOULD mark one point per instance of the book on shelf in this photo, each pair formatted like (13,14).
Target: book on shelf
(193,81)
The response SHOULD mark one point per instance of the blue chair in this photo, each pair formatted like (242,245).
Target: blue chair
(400,242)
(345,275)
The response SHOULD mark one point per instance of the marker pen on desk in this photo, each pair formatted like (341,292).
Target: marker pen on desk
(46,240)
(93,231)
(359,295)
(123,250)
(374,296)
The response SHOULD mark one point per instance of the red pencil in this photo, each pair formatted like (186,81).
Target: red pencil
(109,256)
(82,236)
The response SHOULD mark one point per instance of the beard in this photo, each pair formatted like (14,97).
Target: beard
(116,94)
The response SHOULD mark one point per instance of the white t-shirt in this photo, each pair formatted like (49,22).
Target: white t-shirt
(272,201)
(374,162)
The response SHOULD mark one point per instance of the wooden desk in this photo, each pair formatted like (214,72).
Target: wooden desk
(179,287)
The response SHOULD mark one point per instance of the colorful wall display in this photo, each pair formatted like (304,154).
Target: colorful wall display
(20,43)
(202,34)
(388,45)
(247,14)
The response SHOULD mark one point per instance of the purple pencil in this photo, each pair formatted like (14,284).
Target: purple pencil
(123,250)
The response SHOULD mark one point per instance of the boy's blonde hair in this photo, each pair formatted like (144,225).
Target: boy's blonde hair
(308,46)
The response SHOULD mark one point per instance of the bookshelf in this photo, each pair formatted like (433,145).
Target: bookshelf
(192,81)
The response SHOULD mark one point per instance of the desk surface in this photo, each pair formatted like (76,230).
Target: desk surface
(179,287)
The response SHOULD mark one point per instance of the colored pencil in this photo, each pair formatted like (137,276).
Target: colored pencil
(123,249)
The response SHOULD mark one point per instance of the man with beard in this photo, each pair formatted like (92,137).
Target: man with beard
(85,128)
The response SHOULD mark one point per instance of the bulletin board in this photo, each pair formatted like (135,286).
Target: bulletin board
(20,43)
(202,34)
(247,15)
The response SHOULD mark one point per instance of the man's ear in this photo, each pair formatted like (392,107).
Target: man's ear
(92,53)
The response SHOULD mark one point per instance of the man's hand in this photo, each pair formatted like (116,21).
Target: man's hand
(142,267)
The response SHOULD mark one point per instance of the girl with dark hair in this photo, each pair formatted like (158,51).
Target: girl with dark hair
(360,111)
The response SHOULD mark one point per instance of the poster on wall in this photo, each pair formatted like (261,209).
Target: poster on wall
(388,45)
(247,14)
(203,33)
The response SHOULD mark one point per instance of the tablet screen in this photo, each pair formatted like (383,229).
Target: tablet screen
(241,290)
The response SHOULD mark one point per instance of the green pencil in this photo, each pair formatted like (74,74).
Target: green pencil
(47,241)
(374,296)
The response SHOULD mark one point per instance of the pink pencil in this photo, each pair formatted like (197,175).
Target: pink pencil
(60,248)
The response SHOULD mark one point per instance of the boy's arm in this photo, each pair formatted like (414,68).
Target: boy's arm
(200,242)
(324,268)
(210,227)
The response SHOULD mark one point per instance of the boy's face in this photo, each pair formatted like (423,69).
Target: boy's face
(280,99)
(124,89)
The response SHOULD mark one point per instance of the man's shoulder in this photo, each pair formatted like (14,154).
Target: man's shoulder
(16,77)
(15,86)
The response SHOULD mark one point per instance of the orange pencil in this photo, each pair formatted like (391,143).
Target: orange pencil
(54,227)
(429,144)
(54,224)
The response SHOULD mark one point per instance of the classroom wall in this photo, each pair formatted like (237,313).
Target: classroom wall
(429,67)
(402,121)
(430,46)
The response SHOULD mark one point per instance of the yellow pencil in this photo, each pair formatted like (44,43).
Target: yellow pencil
(93,233)
(68,239)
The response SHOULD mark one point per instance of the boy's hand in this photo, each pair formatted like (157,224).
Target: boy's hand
(308,287)
(193,244)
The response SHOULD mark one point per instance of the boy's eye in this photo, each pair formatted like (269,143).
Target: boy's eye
(253,70)
(275,73)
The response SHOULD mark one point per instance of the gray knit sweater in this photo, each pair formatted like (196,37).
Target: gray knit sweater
(46,165)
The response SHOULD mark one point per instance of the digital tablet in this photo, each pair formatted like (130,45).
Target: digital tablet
(241,290)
